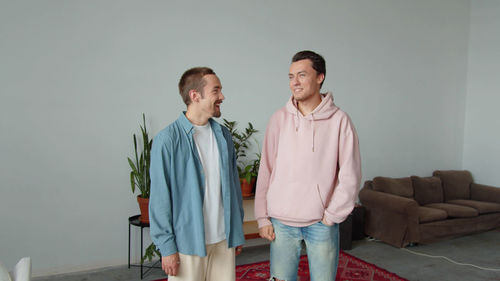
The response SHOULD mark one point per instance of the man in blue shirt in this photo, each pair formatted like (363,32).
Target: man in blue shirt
(195,207)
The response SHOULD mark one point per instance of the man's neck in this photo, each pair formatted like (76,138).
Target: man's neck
(196,118)
(307,106)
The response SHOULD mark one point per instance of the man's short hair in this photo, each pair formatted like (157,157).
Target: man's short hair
(192,79)
(318,62)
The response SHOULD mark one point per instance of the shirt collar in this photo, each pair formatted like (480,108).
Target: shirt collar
(185,123)
(188,126)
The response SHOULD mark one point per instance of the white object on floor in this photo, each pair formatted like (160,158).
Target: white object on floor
(4,273)
(21,271)
(452,261)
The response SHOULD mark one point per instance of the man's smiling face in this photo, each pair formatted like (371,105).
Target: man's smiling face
(305,82)
(212,96)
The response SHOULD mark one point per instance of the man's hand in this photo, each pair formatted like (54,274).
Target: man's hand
(170,264)
(238,250)
(267,232)
(323,221)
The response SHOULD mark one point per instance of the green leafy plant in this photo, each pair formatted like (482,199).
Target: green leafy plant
(256,163)
(150,253)
(248,173)
(139,176)
(241,142)
(251,170)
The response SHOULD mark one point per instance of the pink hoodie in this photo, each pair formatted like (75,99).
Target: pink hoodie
(310,167)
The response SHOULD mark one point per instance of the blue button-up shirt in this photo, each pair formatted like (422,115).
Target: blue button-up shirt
(178,188)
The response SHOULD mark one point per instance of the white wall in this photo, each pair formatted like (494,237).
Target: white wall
(75,77)
(482,126)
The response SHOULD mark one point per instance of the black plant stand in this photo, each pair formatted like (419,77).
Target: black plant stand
(134,220)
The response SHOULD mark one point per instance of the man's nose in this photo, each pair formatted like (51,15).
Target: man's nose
(221,96)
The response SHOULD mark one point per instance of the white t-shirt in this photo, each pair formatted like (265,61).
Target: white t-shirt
(213,210)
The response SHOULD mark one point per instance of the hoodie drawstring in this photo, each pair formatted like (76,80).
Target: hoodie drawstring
(312,123)
(325,110)
(297,120)
(297,124)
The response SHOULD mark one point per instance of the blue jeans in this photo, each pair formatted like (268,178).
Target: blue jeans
(322,245)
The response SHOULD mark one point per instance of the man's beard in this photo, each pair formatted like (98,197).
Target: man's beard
(217,112)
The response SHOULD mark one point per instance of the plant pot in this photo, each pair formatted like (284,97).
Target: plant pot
(144,207)
(247,188)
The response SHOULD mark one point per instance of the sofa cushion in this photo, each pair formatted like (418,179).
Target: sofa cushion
(481,206)
(484,193)
(456,184)
(396,186)
(455,211)
(426,214)
(427,190)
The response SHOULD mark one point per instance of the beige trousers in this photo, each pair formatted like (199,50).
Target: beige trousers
(218,265)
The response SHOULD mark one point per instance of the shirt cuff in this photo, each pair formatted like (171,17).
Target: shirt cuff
(330,219)
(168,249)
(263,222)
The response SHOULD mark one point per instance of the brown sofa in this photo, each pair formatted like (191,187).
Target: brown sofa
(400,211)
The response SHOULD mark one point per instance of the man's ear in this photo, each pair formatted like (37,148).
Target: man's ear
(321,78)
(194,96)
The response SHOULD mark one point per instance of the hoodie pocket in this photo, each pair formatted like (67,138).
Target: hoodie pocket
(295,201)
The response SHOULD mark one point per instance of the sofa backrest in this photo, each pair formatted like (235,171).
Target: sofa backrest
(396,186)
(456,184)
(427,190)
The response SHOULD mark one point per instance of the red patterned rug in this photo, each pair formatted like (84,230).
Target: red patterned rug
(350,269)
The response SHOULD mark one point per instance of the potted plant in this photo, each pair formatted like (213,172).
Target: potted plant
(241,140)
(247,180)
(139,176)
(140,179)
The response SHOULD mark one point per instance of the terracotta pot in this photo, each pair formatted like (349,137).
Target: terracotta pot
(144,207)
(247,188)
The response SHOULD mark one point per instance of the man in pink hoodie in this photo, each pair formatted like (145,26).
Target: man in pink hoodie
(309,175)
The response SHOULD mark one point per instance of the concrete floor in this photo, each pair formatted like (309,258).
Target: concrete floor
(479,249)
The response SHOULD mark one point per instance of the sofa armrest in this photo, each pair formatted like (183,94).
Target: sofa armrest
(392,203)
(481,192)
(390,218)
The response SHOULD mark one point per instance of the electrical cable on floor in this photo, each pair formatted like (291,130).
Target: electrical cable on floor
(452,261)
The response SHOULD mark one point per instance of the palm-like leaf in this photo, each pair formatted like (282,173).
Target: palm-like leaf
(139,176)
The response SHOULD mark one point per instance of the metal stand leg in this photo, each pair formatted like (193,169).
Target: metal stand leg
(141,251)
(129,245)
(134,220)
